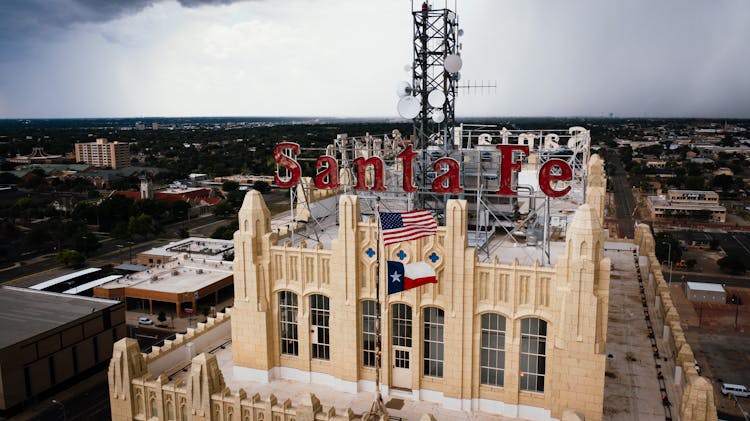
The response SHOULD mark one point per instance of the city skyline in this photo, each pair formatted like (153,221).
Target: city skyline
(76,58)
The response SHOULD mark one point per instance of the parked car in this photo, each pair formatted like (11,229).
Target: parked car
(143,320)
(735,389)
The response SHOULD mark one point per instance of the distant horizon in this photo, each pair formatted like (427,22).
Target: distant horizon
(378,118)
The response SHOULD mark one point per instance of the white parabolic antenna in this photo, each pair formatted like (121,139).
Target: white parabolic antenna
(436,98)
(453,63)
(408,107)
(438,116)
(403,89)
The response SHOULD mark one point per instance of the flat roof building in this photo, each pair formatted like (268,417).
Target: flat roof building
(697,205)
(49,338)
(705,292)
(182,282)
(209,249)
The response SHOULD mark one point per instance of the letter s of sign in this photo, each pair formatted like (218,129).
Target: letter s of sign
(291,164)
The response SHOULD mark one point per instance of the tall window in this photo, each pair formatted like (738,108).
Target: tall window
(401,335)
(288,323)
(433,341)
(492,364)
(320,312)
(369,338)
(533,354)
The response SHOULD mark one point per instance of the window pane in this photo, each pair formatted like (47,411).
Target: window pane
(319,316)
(369,317)
(433,342)
(533,354)
(288,322)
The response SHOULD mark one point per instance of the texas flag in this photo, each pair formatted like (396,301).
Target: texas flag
(407,276)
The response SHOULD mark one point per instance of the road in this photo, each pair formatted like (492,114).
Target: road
(113,250)
(623,199)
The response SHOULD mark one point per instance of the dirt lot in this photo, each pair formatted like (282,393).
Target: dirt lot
(719,348)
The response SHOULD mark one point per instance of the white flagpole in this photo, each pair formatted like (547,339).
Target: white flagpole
(378,409)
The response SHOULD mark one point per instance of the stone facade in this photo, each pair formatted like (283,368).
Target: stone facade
(695,395)
(571,298)
(136,395)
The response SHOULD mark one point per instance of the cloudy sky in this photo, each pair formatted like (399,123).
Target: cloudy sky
(344,58)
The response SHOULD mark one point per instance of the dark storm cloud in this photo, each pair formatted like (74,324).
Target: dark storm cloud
(24,19)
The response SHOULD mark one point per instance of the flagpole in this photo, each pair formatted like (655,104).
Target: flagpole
(378,409)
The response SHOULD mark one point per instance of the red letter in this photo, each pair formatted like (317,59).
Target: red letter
(546,178)
(452,176)
(377,166)
(295,172)
(508,166)
(407,155)
(330,170)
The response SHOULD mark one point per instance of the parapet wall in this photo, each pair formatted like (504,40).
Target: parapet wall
(174,353)
(201,395)
(695,395)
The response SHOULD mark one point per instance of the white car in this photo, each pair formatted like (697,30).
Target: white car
(143,320)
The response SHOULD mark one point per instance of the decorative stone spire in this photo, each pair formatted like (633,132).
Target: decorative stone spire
(596,186)
(126,364)
(205,379)
(255,223)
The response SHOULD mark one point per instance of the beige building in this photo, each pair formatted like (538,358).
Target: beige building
(498,337)
(103,153)
(491,338)
(698,205)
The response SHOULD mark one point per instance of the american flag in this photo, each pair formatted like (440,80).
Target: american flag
(406,226)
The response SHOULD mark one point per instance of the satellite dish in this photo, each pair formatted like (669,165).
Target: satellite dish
(436,98)
(403,89)
(453,63)
(438,116)
(407,67)
(408,107)
(456,76)
(460,32)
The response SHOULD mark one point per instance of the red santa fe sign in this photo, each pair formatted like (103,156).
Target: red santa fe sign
(550,173)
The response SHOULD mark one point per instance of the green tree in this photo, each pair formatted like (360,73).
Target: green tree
(229,185)
(723,182)
(69,257)
(664,243)
(732,263)
(143,225)
(222,208)
(262,186)
(162,317)
(180,210)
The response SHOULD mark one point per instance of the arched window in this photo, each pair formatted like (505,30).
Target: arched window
(533,354)
(492,363)
(369,317)
(183,410)
(320,313)
(288,323)
(433,341)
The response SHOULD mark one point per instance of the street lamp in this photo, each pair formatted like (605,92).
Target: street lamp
(735,299)
(669,244)
(62,407)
